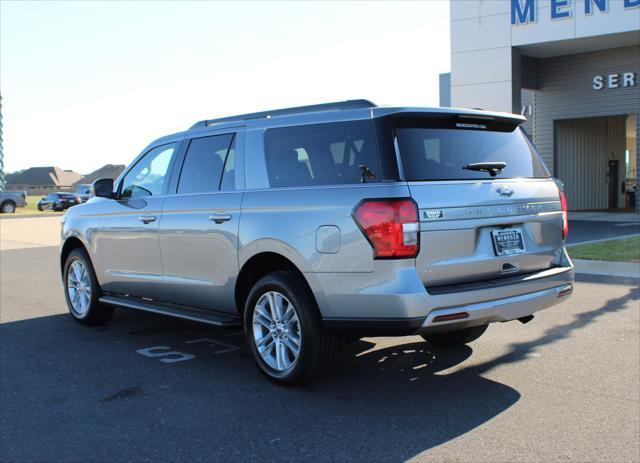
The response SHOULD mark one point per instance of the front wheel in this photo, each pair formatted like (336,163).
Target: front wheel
(82,291)
(456,337)
(284,330)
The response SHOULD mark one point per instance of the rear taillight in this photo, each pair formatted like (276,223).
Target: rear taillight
(390,225)
(565,215)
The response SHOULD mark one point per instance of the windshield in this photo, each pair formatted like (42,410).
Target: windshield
(433,150)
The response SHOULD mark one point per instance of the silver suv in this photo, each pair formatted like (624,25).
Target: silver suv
(315,225)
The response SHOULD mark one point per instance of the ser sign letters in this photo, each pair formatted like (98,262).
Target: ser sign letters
(625,79)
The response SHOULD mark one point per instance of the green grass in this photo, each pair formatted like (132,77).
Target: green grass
(622,250)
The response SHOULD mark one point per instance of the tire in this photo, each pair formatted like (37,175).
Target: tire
(457,337)
(40,208)
(8,207)
(297,324)
(80,279)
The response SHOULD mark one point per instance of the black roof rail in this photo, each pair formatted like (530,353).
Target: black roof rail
(336,106)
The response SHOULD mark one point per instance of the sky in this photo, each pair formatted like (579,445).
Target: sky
(85,84)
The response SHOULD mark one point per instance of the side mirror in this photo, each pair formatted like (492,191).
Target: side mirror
(103,188)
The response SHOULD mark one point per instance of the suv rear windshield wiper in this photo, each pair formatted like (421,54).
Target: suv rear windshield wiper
(494,168)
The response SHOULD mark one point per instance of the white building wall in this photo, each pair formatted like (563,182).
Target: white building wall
(481,54)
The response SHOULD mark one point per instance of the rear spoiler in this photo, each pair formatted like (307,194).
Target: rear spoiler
(461,113)
(461,121)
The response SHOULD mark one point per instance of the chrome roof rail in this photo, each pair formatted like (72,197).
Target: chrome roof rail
(336,106)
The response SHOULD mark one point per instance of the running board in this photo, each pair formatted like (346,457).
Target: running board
(203,316)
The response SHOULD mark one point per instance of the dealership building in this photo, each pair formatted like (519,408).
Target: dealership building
(572,67)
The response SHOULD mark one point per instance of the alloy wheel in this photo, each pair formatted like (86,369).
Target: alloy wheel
(79,288)
(276,331)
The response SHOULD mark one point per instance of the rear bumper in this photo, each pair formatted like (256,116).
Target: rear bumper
(355,306)
(501,310)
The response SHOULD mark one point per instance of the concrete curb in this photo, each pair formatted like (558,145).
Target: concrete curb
(600,267)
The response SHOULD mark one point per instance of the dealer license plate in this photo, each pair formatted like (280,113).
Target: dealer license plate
(508,242)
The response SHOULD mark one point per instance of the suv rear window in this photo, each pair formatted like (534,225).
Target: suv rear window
(433,149)
(322,154)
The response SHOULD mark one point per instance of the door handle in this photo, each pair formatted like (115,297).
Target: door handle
(219,218)
(147,218)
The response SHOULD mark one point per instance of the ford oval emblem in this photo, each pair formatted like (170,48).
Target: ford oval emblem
(504,190)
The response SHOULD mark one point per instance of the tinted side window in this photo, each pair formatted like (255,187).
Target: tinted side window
(203,164)
(322,154)
(148,176)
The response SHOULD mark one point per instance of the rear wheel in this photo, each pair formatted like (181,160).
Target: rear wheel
(457,337)
(82,291)
(284,330)
(8,207)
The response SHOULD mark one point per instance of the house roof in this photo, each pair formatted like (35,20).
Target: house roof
(43,176)
(106,171)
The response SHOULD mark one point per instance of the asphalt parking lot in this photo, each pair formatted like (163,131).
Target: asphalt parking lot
(587,230)
(565,387)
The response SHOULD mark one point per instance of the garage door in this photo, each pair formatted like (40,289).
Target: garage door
(586,151)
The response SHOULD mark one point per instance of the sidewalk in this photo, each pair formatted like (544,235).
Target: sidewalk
(30,215)
(599,267)
(21,232)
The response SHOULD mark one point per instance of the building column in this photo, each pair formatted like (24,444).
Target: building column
(516,81)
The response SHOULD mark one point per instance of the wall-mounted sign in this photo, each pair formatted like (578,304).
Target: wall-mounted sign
(526,11)
(621,80)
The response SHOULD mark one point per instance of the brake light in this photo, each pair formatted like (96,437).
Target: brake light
(565,215)
(390,225)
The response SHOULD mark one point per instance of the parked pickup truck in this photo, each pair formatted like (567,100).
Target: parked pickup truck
(9,200)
